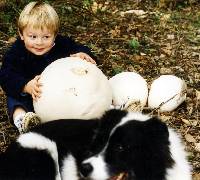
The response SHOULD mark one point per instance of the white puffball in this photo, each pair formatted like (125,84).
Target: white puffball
(73,89)
(128,88)
(169,89)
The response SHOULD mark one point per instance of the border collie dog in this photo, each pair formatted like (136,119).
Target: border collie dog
(143,147)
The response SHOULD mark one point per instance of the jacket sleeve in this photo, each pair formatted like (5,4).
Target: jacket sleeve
(12,80)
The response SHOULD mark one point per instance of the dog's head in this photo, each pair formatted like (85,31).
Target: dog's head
(132,143)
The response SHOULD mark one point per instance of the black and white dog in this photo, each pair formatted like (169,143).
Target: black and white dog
(136,144)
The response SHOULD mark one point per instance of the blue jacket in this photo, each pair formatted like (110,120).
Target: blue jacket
(20,66)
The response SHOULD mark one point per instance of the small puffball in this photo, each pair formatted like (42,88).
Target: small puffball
(129,88)
(168,92)
(73,89)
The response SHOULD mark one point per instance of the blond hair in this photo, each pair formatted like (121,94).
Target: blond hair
(38,15)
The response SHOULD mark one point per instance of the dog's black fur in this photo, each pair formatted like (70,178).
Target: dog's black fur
(71,136)
(139,148)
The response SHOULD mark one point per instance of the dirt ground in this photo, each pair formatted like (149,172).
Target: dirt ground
(149,37)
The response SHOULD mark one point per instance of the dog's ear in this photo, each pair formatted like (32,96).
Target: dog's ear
(107,122)
(157,132)
(155,127)
(111,118)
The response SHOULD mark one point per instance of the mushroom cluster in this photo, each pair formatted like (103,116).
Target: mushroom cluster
(129,88)
(76,89)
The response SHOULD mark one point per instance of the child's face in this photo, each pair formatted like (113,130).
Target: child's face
(38,41)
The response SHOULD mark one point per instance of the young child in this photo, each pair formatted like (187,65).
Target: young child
(38,45)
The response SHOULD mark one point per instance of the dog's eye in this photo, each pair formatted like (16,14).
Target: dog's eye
(120,148)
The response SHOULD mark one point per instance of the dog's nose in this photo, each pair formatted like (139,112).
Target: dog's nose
(86,169)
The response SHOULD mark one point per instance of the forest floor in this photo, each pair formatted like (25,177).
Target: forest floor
(149,38)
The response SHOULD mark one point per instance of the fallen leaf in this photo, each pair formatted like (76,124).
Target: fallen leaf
(170,36)
(190,138)
(139,12)
(115,32)
(96,6)
(165,71)
(196,177)
(164,19)
(197,146)
(198,94)
(2,3)
(165,118)
(186,121)
(167,51)
(162,56)
(143,54)
(136,12)
(12,39)
(137,58)
(194,123)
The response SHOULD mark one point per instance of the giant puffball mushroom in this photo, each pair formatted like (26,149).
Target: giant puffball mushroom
(129,90)
(167,92)
(73,89)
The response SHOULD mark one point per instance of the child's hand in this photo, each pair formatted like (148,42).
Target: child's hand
(84,56)
(33,88)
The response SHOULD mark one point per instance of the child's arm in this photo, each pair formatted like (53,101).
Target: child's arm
(76,49)
(11,79)
(84,56)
